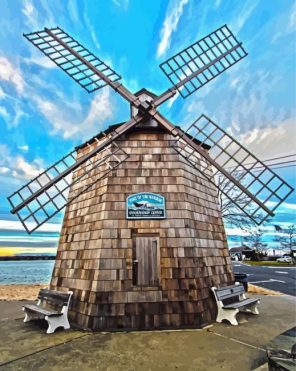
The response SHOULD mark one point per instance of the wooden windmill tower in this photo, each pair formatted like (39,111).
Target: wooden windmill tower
(143,239)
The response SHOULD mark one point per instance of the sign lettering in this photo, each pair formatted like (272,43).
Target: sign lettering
(145,206)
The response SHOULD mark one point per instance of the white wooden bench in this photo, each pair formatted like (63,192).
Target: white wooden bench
(228,309)
(52,306)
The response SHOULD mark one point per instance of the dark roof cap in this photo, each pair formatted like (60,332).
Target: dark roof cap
(148,92)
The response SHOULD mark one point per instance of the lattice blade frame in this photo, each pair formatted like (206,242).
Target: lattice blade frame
(204,60)
(89,71)
(261,189)
(52,200)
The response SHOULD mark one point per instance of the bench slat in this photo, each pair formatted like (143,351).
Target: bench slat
(228,287)
(242,303)
(55,297)
(229,292)
(45,312)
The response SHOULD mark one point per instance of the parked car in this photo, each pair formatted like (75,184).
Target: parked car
(285,259)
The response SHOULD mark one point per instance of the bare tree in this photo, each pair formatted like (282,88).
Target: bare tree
(286,237)
(231,212)
(233,215)
(254,241)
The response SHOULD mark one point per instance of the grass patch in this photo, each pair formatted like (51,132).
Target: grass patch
(269,263)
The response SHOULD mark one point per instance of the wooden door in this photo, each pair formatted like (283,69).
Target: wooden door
(146,261)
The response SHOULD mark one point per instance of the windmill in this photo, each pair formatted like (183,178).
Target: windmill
(205,147)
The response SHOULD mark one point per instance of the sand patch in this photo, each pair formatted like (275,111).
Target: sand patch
(252,289)
(20,292)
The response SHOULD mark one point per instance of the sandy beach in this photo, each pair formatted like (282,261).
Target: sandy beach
(30,292)
(20,292)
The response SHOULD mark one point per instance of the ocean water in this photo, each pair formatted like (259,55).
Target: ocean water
(25,271)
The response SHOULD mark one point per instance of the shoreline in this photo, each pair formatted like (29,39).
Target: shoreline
(26,258)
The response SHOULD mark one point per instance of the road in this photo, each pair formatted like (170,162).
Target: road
(281,279)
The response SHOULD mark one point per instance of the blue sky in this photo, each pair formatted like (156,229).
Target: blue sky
(44,114)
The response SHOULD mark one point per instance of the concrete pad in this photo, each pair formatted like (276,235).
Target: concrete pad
(12,309)
(19,339)
(277,314)
(183,350)
(26,346)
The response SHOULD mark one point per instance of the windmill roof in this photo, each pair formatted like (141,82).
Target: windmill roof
(143,90)
(115,126)
(240,249)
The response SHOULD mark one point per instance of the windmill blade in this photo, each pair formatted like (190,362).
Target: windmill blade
(44,196)
(235,171)
(247,182)
(201,62)
(70,56)
(43,207)
(89,71)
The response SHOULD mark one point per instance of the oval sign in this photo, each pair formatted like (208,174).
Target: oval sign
(145,206)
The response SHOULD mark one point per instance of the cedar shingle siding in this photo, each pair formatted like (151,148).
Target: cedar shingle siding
(97,243)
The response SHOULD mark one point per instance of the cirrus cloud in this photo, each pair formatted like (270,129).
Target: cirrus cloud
(61,119)
(11,74)
(17,166)
(170,25)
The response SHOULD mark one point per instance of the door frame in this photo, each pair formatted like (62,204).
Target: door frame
(134,271)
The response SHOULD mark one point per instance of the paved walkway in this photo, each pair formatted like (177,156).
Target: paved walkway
(25,346)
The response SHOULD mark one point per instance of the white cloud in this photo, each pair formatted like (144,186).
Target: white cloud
(15,225)
(292,18)
(41,61)
(24,169)
(244,15)
(19,113)
(121,3)
(30,13)
(289,206)
(61,119)
(28,9)
(248,110)
(91,30)
(173,100)
(11,121)
(73,12)
(4,170)
(285,206)
(18,166)
(132,84)
(11,74)
(24,148)
(170,24)
(100,109)
(286,24)
(266,141)
(4,113)
(2,94)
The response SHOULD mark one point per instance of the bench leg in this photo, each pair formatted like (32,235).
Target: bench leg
(28,317)
(254,309)
(229,315)
(55,322)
